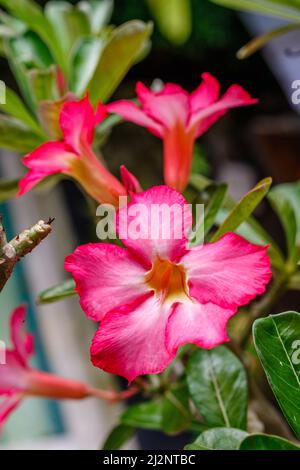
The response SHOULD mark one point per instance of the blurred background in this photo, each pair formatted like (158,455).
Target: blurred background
(190,37)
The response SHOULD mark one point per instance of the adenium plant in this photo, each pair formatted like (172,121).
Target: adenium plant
(185,319)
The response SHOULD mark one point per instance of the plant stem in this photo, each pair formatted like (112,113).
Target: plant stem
(113,396)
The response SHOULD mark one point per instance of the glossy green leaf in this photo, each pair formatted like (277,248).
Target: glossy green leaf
(217,194)
(14,135)
(147,415)
(84,63)
(99,13)
(24,53)
(218,386)
(8,189)
(15,107)
(285,200)
(174,19)
(218,439)
(243,208)
(119,54)
(176,415)
(56,293)
(70,23)
(266,442)
(118,437)
(277,341)
(286,9)
(32,15)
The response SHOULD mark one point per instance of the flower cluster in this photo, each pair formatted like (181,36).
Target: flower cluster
(154,294)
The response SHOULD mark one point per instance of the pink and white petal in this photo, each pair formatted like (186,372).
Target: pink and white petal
(23,342)
(133,343)
(78,121)
(106,276)
(200,324)
(206,94)
(167,107)
(230,272)
(46,160)
(130,182)
(13,374)
(155,224)
(7,406)
(234,97)
(132,113)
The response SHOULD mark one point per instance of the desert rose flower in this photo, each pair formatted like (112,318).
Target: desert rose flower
(156,294)
(18,379)
(74,156)
(179,118)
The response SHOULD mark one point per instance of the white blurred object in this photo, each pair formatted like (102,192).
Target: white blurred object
(282,53)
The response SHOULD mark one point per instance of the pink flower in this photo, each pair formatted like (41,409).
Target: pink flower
(74,156)
(18,379)
(156,295)
(179,119)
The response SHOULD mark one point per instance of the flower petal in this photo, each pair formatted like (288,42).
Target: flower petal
(234,97)
(106,276)
(13,374)
(155,224)
(132,113)
(133,343)
(167,107)
(7,406)
(230,272)
(192,322)
(129,180)
(48,159)
(23,342)
(78,121)
(178,154)
(206,94)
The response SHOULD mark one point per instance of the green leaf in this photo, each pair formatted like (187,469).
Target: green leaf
(294,281)
(31,14)
(14,135)
(286,9)
(70,23)
(218,386)
(56,293)
(243,208)
(8,189)
(285,200)
(84,63)
(260,41)
(99,13)
(277,341)
(218,439)
(24,53)
(118,437)
(174,19)
(119,54)
(14,106)
(176,416)
(266,442)
(43,84)
(147,415)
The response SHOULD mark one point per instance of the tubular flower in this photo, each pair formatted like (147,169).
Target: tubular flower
(18,379)
(156,294)
(74,156)
(179,118)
